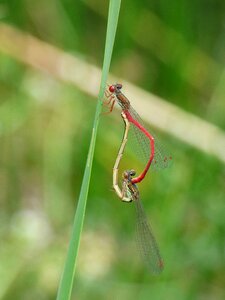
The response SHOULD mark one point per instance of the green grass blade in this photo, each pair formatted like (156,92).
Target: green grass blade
(66,283)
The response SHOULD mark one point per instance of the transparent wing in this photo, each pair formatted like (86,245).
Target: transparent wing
(162,159)
(146,241)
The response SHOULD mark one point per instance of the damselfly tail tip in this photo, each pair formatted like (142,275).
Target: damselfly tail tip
(157,269)
(161,265)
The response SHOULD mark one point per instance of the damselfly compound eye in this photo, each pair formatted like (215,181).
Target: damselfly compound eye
(125,174)
(132,172)
(119,86)
(112,88)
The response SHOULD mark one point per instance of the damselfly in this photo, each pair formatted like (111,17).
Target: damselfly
(154,153)
(129,192)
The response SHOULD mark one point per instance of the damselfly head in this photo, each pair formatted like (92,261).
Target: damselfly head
(114,88)
(128,174)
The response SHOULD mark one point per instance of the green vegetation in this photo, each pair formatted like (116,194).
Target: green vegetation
(172,49)
(66,284)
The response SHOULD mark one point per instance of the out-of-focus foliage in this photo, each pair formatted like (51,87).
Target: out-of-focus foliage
(173,49)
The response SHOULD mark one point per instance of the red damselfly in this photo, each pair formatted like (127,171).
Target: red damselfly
(152,150)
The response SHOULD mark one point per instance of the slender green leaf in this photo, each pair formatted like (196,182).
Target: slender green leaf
(66,284)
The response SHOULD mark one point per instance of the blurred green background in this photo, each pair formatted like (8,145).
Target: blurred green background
(174,49)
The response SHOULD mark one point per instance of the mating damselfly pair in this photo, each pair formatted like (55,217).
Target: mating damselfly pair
(156,158)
